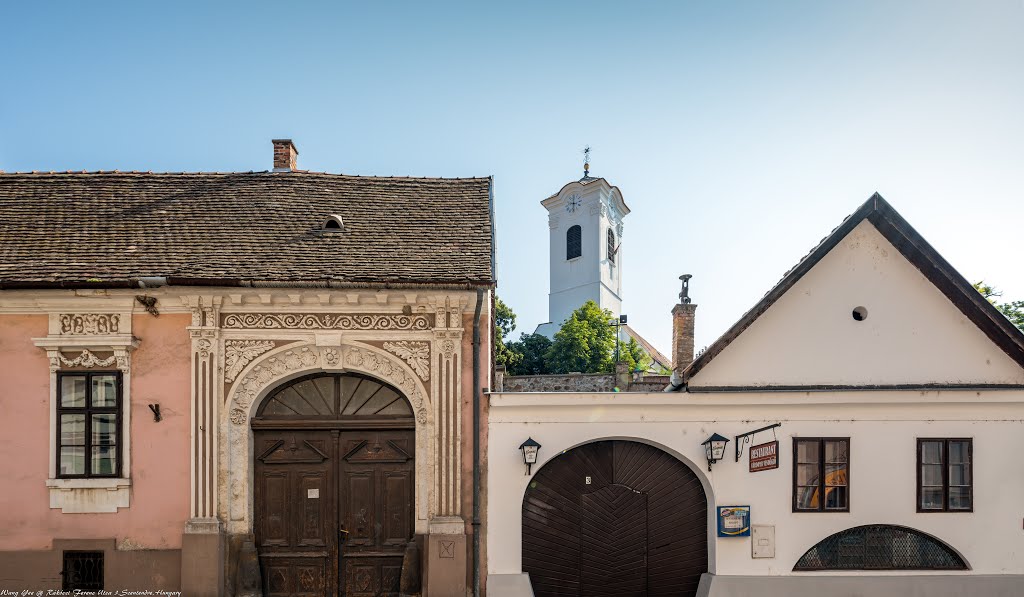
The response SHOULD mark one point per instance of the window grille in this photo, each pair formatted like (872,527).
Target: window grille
(611,245)
(82,570)
(574,242)
(880,547)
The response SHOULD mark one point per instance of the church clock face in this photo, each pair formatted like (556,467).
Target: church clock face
(573,203)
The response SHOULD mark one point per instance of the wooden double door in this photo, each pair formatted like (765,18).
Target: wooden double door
(333,509)
(615,519)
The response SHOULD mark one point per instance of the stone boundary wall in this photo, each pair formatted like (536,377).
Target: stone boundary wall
(579,382)
(568,382)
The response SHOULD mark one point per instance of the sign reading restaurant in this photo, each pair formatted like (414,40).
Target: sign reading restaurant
(764,457)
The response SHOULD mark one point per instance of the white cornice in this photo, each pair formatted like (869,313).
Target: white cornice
(235,300)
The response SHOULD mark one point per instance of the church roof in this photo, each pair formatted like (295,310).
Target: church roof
(111,228)
(917,251)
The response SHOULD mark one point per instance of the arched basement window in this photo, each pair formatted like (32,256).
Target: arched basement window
(335,396)
(574,242)
(880,547)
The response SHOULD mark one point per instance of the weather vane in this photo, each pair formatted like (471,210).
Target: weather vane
(586,161)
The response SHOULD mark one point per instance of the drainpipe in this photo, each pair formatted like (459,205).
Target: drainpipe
(476,442)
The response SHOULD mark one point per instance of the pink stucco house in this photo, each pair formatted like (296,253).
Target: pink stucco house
(243,382)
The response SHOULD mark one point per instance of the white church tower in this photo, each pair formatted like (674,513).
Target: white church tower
(585,219)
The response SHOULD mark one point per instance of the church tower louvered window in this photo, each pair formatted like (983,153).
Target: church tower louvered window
(574,242)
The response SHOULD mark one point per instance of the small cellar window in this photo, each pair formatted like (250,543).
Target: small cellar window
(82,570)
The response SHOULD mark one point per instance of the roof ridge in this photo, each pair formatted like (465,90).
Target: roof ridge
(39,173)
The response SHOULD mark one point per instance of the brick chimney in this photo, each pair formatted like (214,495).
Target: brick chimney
(284,155)
(682,328)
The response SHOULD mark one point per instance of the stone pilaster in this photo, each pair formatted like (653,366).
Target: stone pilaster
(203,540)
(447,391)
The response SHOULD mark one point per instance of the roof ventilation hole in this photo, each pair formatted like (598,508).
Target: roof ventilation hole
(333,224)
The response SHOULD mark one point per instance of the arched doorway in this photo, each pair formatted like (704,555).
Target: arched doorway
(615,518)
(333,486)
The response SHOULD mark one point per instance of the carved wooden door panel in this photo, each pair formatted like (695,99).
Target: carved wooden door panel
(375,509)
(295,524)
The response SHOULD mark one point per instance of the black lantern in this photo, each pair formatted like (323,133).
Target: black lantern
(530,449)
(714,448)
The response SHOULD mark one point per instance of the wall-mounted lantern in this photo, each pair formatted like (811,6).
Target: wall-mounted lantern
(530,449)
(714,448)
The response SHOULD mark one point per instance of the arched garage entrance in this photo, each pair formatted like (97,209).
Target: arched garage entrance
(615,518)
(334,486)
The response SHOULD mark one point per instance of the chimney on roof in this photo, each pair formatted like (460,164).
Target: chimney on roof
(682,328)
(284,155)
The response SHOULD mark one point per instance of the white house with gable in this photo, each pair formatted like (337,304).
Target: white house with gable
(873,405)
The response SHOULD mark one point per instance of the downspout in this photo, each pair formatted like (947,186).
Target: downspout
(476,441)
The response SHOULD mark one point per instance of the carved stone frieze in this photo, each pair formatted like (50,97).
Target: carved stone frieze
(312,321)
(89,323)
(86,359)
(416,354)
(239,353)
(383,367)
(331,356)
(263,373)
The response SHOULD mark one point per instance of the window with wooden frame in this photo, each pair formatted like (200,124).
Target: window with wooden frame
(88,424)
(573,242)
(945,475)
(821,474)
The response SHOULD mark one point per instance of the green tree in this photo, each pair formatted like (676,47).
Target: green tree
(1013,310)
(532,350)
(504,324)
(633,355)
(586,342)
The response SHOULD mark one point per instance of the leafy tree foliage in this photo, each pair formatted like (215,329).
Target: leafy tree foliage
(1013,310)
(586,342)
(532,350)
(504,324)
(633,355)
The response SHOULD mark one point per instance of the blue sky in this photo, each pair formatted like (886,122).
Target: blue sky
(740,133)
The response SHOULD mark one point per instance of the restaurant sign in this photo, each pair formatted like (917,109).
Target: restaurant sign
(764,457)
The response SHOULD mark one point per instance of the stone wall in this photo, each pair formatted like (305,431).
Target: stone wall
(579,382)
(568,382)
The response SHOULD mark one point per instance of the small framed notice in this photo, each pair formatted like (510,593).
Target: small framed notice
(764,457)
(734,521)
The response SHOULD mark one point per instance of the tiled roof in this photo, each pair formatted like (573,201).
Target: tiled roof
(115,227)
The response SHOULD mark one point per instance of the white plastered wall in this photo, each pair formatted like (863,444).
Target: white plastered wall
(883,427)
(913,334)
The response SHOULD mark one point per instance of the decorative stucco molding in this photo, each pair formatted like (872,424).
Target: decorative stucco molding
(86,359)
(310,321)
(417,354)
(239,353)
(382,366)
(89,323)
(82,496)
(263,373)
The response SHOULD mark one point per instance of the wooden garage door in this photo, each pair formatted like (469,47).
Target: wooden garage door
(615,518)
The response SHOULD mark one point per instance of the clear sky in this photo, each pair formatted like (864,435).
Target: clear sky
(740,133)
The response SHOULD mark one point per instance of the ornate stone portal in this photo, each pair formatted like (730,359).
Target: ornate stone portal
(238,358)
